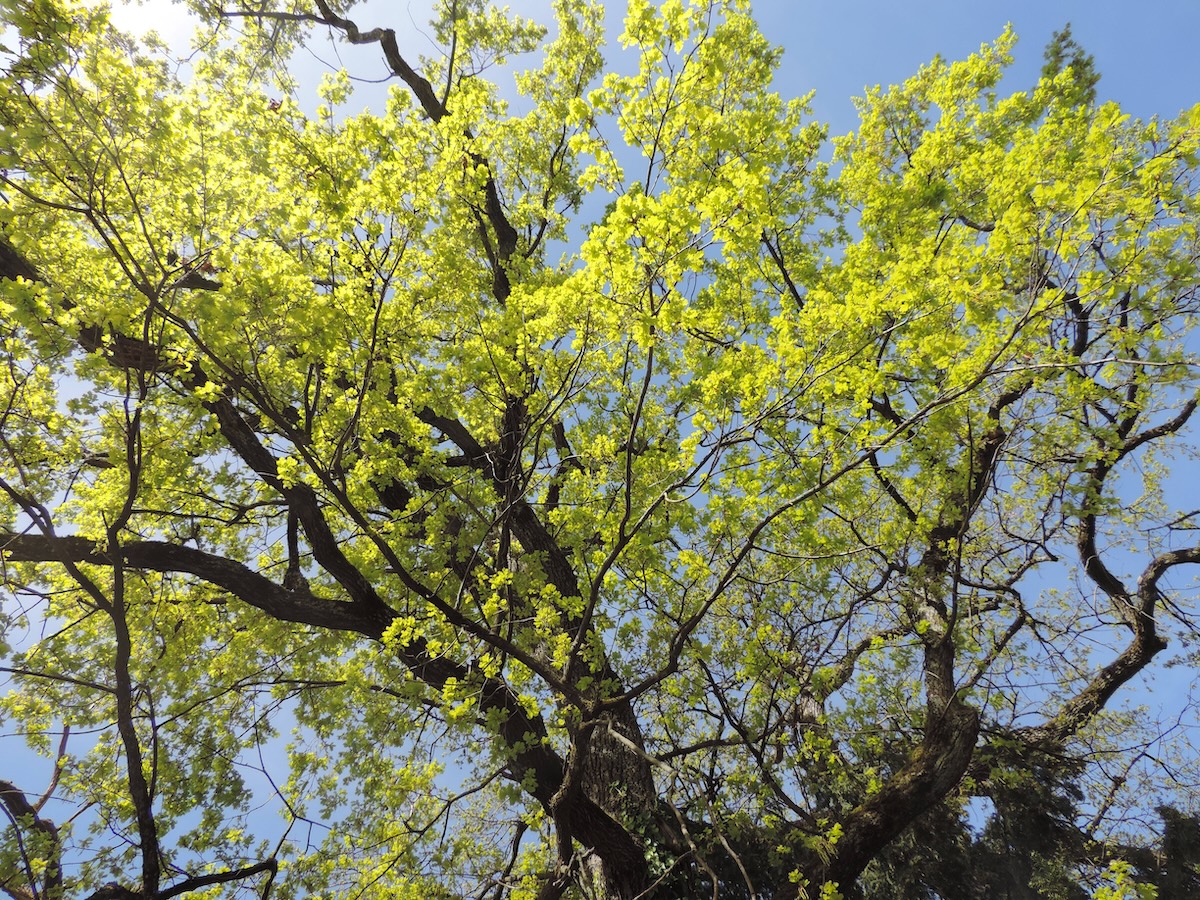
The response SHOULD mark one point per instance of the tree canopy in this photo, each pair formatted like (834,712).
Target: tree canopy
(603,488)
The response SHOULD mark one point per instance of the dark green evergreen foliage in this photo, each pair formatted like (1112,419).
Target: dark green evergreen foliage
(1064,52)
(1032,846)
(1026,848)
(1177,873)
(933,860)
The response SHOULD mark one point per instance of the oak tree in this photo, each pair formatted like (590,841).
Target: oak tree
(602,488)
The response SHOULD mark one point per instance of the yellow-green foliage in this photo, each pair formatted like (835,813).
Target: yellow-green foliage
(737,436)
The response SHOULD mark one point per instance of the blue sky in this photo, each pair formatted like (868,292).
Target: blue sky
(1145,51)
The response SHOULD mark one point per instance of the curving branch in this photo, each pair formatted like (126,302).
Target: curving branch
(534,763)
(505,235)
(300,607)
(1146,644)
(24,814)
(195,883)
(386,38)
(1136,606)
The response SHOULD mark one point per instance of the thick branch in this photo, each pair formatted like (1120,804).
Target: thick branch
(386,38)
(201,881)
(1086,539)
(524,734)
(13,265)
(257,590)
(932,772)
(140,790)
(1146,644)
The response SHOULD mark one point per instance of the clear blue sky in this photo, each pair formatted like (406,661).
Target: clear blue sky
(1146,52)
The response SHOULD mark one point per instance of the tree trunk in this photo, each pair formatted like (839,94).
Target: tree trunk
(618,779)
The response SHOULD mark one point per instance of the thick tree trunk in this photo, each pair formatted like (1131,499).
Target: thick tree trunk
(618,779)
(932,772)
